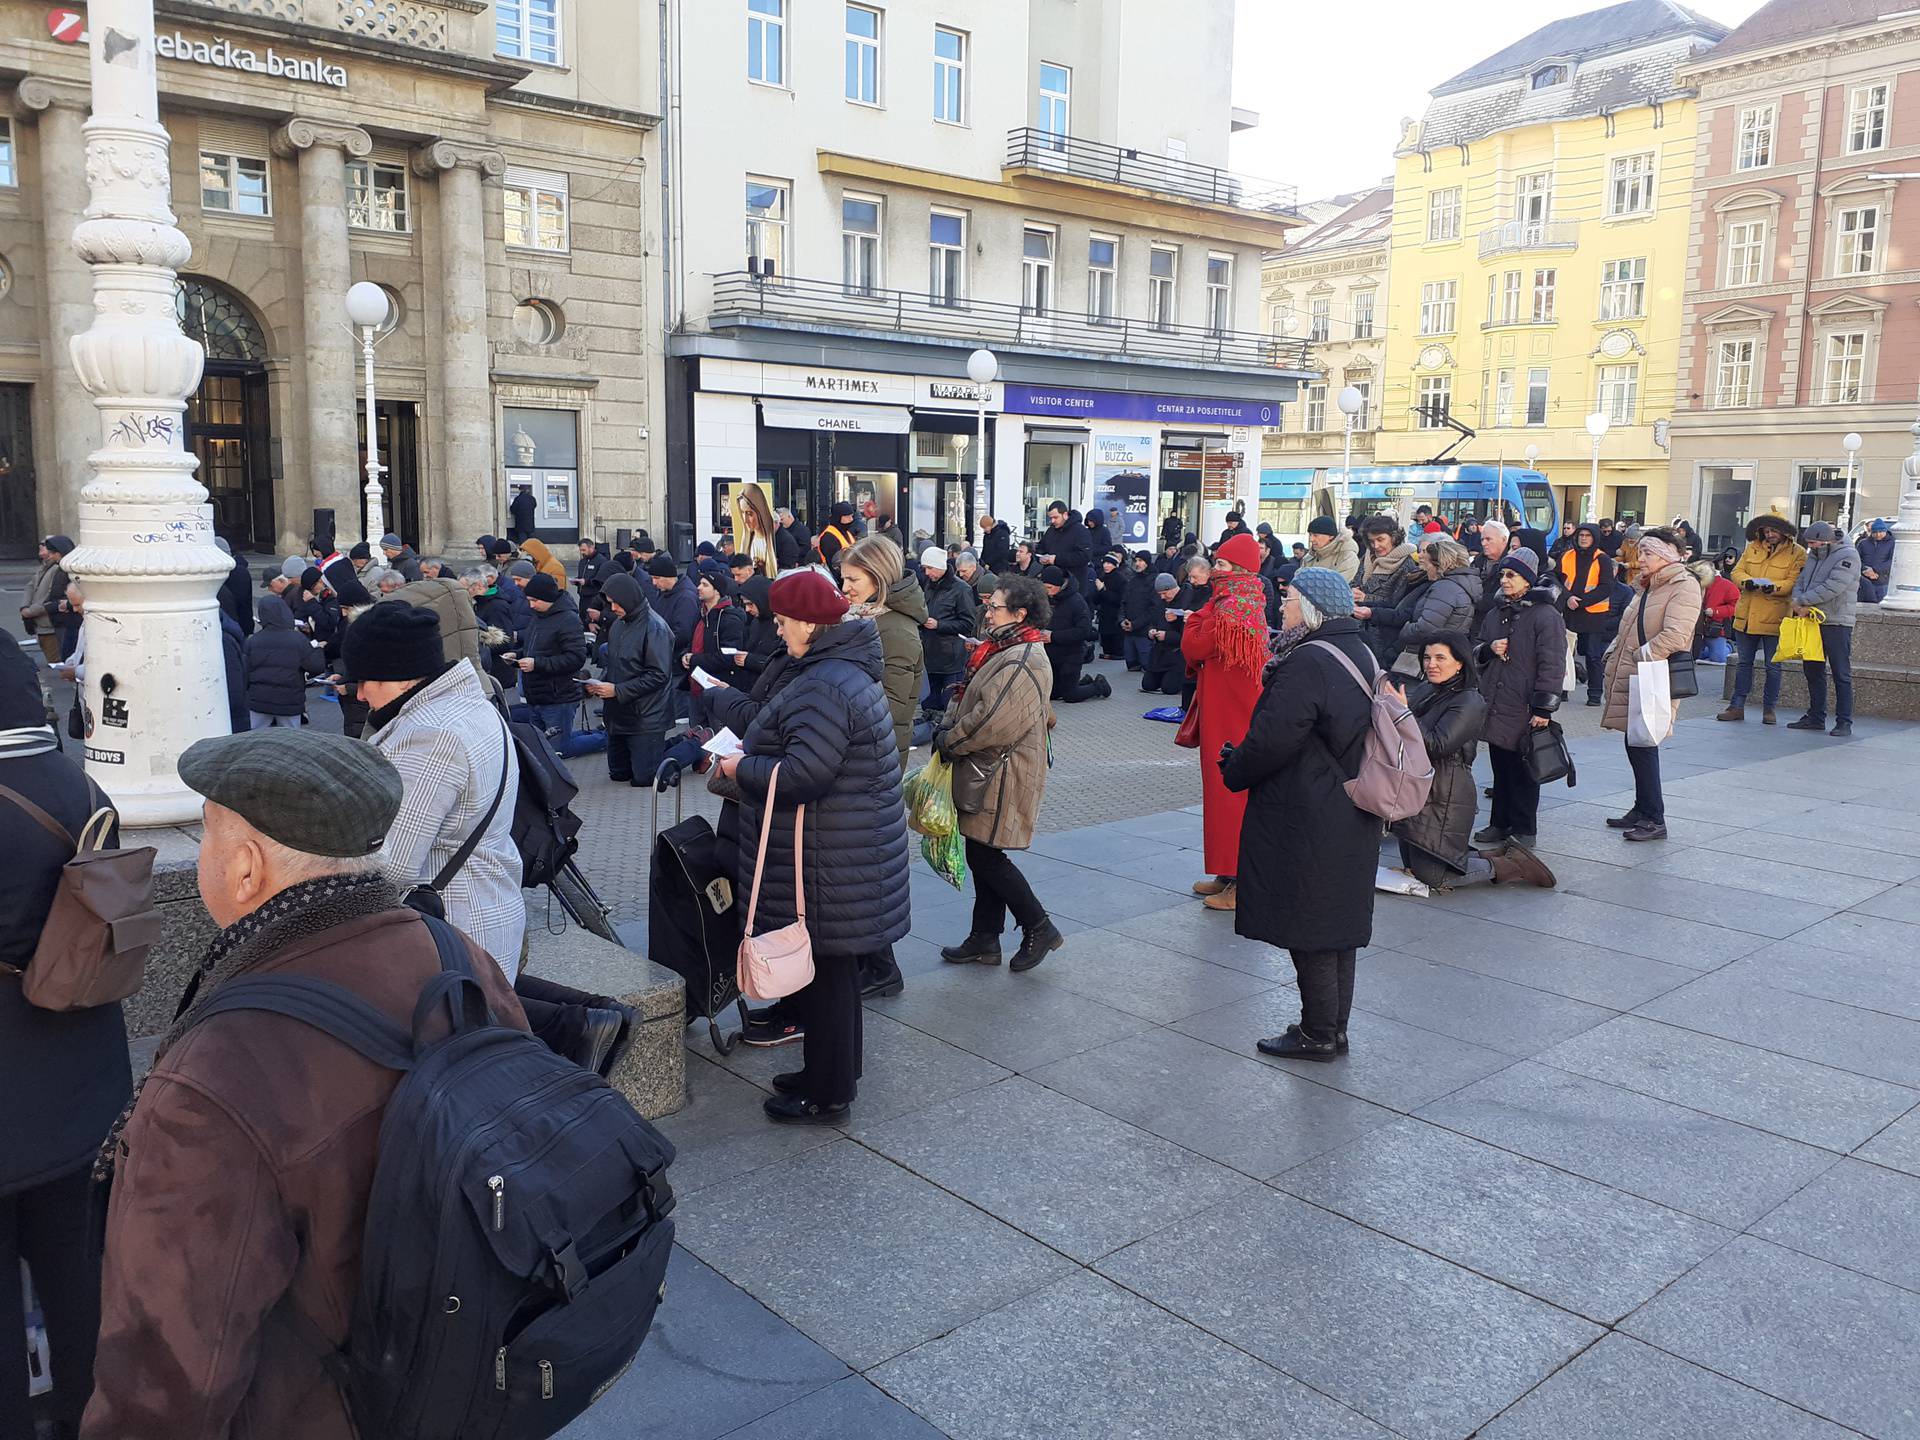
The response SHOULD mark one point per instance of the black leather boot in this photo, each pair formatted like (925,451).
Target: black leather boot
(974,950)
(1035,945)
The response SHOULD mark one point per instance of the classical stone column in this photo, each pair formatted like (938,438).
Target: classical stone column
(333,457)
(59,108)
(155,680)
(470,506)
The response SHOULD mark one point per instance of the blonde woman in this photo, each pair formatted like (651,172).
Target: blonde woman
(873,578)
(754,528)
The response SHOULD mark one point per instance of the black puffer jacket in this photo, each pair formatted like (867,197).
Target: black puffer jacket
(996,548)
(1140,603)
(279,660)
(64,1073)
(558,648)
(1444,607)
(830,732)
(236,594)
(1528,681)
(763,640)
(787,551)
(1452,717)
(1070,545)
(951,607)
(493,612)
(639,663)
(1072,627)
(720,629)
(1109,596)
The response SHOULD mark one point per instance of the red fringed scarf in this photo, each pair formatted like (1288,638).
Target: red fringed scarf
(994,644)
(1239,607)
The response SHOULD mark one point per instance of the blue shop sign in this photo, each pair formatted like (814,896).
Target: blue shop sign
(1123,405)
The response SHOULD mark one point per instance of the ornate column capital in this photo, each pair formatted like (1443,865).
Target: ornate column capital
(37,93)
(300,134)
(439,155)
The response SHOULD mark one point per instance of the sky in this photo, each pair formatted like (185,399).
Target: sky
(1331,95)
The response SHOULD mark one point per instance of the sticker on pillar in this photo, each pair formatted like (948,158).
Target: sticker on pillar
(113,712)
(106,757)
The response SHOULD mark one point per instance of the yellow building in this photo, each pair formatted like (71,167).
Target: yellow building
(1540,244)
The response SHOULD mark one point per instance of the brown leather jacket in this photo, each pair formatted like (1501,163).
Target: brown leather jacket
(241,1195)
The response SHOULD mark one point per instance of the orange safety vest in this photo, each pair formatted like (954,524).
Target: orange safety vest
(842,536)
(1569,562)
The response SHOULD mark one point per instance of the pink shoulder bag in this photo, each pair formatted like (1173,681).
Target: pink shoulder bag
(779,962)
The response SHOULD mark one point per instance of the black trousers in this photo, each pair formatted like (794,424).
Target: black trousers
(48,1227)
(1647,799)
(1516,794)
(998,886)
(557,1014)
(829,1010)
(1326,990)
(1163,681)
(1592,647)
(1068,687)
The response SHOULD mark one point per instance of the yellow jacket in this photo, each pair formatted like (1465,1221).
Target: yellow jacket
(1761,611)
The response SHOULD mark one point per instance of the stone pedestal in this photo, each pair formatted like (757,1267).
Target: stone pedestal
(1886,670)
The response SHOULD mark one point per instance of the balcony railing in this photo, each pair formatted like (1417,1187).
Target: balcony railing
(1030,149)
(741,297)
(1518,236)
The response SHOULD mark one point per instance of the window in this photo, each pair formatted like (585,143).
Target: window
(1623,289)
(949,75)
(1545,282)
(527,30)
(1733,374)
(1321,326)
(1503,399)
(1361,416)
(1103,277)
(1753,145)
(1617,395)
(1844,376)
(863,55)
(1746,252)
(1547,76)
(768,205)
(859,244)
(376,195)
(1363,314)
(767,41)
(1316,407)
(1856,243)
(1533,199)
(1036,271)
(1436,401)
(1443,214)
(1056,104)
(1867,118)
(1163,281)
(947,258)
(1537,396)
(1631,189)
(1437,299)
(234,184)
(1219,293)
(536,209)
(1503,298)
(7,174)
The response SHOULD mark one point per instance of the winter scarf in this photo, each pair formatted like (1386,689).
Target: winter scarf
(26,740)
(310,908)
(1240,610)
(1286,642)
(997,640)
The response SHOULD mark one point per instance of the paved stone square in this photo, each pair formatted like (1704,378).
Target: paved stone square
(1636,1157)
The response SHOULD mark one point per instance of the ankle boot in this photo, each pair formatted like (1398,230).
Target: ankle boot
(974,950)
(1296,1044)
(1518,865)
(1035,945)
(1732,712)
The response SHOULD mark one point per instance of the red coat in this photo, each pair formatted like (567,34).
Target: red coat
(1721,598)
(1226,696)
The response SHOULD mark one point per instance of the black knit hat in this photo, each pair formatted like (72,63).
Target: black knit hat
(1323,525)
(310,578)
(1053,575)
(663,565)
(362,551)
(543,587)
(392,641)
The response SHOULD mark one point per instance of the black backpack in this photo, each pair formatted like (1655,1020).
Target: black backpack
(518,1227)
(545,830)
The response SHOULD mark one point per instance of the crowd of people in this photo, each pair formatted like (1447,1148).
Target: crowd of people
(243,1161)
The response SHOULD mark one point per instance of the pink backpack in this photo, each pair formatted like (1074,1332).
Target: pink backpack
(1396,775)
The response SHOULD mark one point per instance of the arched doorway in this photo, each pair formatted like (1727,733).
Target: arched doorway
(227,417)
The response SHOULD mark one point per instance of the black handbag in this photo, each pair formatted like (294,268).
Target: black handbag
(1682,682)
(1546,756)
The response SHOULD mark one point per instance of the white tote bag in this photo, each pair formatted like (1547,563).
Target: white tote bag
(1649,702)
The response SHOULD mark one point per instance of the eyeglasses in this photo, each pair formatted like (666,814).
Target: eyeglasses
(1003,609)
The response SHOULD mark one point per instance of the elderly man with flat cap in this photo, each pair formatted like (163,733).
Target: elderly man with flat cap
(242,1169)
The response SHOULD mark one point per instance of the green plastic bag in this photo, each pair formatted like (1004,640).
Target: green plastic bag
(947,855)
(929,795)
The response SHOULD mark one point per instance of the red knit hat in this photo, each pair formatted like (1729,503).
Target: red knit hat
(1242,550)
(809,596)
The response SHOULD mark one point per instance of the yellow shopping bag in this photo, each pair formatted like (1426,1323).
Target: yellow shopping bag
(1800,638)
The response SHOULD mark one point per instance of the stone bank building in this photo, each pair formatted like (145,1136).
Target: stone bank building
(486,164)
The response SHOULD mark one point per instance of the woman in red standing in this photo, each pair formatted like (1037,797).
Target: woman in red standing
(1225,646)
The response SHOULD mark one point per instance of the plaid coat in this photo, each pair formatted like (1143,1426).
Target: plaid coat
(448,743)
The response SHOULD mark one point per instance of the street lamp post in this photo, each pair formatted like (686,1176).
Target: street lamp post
(982,366)
(147,562)
(1597,426)
(1349,400)
(367,308)
(1850,442)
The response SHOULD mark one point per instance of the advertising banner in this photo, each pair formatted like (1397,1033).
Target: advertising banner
(1122,480)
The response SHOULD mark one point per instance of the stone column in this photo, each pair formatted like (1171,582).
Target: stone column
(470,505)
(60,109)
(333,457)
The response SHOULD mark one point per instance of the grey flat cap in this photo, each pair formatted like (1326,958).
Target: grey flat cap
(316,793)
